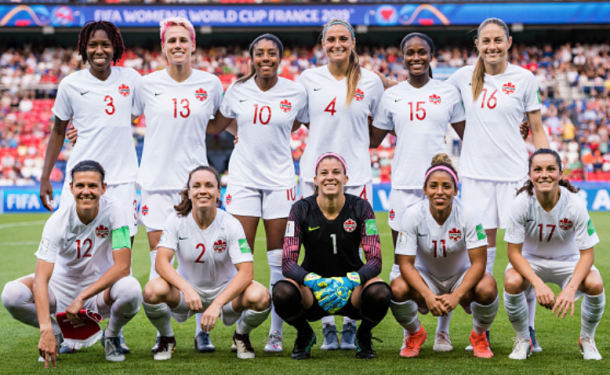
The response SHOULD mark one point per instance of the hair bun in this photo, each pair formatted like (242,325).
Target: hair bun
(441,158)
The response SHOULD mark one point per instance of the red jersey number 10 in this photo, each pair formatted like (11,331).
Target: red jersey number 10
(264,115)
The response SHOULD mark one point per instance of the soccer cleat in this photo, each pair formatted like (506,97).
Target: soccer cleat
(480,345)
(244,347)
(522,349)
(364,346)
(442,343)
(154,348)
(348,334)
(405,336)
(203,344)
(166,347)
(124,346)
(233,347)
(588,348)
(303,344)
(414,343)
(112,347)
(66,349)
(535,346)
(331,341)
(487,334)
(274,343)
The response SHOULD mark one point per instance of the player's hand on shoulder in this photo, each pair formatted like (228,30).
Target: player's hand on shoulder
(525,129)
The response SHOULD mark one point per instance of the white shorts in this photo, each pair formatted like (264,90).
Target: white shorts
(263,203)
(490,199)
(124,193)
(156,206)
(362,191)
(558,272)
(438,287)
(400,201)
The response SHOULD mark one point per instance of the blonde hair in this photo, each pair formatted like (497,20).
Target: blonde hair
(353,68)
(478,76)
(176,21)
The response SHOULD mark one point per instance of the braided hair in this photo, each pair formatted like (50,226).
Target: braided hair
(528,186)
(113,34)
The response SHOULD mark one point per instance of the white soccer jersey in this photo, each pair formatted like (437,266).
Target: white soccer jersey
(177,116)
(441,250)
(206,258)
(101,112)
(262,158)
(493,147)
(335,128)
(82,253)
(420,117)
(558,234)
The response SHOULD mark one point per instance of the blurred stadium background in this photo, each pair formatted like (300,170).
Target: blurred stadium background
(565,44)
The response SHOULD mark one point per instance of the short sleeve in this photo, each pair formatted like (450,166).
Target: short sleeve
(303,115)
(531,98)
(305,118)
(475,233)
(119,227)
(139,98)
(62,108)
(515,230)
(377,94)
(383,118)
(136,110)
(169,238)
(239,250)
(584,231)
(218,94)
(406,244)
(51,242)
(226,108)
(456,79)
(457,110)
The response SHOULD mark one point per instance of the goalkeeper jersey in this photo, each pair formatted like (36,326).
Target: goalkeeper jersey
(331,246)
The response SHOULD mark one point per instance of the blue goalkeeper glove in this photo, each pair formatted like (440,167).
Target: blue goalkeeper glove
(341,290)
(317,284)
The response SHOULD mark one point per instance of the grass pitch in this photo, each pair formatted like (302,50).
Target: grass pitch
(20,234)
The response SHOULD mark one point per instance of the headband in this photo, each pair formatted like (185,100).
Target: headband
(339,22)
(442,168)
(326,154)
(271,37)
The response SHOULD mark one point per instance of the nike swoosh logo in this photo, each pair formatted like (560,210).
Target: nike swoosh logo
(71,239)
(243,100)
(421,235)
(83,93)
(315,89)
(158,93)
(397,100)
(312,229)
(183,238)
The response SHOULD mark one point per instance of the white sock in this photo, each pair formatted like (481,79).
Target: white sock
(484,315)
(491,259)
(251,319)
(329,319)
(531,308)
(347,320)
(127,296)
(591,312)
(516,308)
(275,265)
(153,273)
(198,323)
(160,317)
(443,322)
(405,314)
(229,315)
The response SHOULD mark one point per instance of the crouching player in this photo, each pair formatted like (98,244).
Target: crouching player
(215,271)
(332,278)
(441,252)
(550,239)
(84,262)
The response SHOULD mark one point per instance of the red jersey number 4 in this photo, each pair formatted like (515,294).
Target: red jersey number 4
(330,108)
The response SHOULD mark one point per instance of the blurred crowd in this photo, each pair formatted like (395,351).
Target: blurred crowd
(573,79)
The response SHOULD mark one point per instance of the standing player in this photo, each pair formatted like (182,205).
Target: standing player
(99,101)
(418,110)
(550,239)
(341,97)
(496,95)
(441,253)
(84,261)
(261,171)
(331,225)
(215,271)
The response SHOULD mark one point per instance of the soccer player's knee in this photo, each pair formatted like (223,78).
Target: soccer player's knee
(377,294)
(486,291)
(128,291)
(593,284)
(154,292)
(513,283)
(285,292)
(14,296)
(400,290)
(258,297)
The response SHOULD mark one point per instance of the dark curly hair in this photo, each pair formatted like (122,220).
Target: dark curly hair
(113,34)
(528,186)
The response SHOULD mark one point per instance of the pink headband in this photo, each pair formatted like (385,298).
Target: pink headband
(326,154)
(441,168)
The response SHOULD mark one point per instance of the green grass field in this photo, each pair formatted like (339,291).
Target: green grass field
(20,234)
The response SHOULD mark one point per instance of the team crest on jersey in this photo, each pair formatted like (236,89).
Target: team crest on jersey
(435,99)
(359,95)
(201,95)
(349,225)
(565,224)
(102,231)
(124,90)
(392,214)
(220,245)
(145,210)
(508,88)
(285,106)
(455,235)
(229,198)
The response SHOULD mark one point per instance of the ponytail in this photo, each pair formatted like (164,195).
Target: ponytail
(528,187)
(186,205)
(478,76)
(250,74)
(353,76)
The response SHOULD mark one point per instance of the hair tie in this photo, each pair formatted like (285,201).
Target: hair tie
(442,168)
(271,37)
(341,160)
(339,22)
